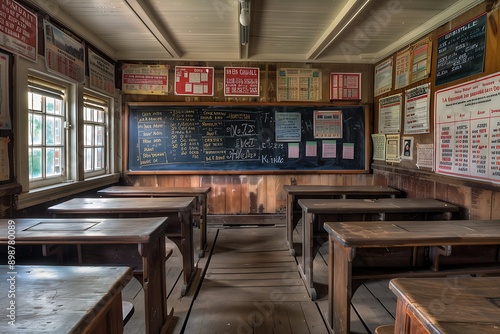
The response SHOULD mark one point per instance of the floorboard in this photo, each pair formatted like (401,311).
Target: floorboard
(248,282)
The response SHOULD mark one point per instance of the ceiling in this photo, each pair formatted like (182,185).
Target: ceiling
(327,31)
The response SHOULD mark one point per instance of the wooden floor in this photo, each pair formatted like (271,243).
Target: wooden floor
(249,283)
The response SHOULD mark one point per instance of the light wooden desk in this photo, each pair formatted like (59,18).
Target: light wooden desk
(315,211)
(447,305)
(135,242)
(294,193)
(200,193)
(60,299)
(353,244)
(177,209)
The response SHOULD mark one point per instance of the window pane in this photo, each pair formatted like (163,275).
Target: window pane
(35,129)
(53,159)
(34,101)
(88,137)
(98,158)
(49,105)
(58,131)
(49,130)
(58,107)
(35,163)
(99,138)
(100,116)
(88,159)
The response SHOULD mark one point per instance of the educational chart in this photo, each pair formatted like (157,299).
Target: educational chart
(467,136)
(197,138)
(299,84)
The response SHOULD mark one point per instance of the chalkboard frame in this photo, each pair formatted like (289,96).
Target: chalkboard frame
(367,142)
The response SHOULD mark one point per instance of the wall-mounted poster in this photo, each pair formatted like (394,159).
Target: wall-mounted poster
(345,86)
(378,140)
(101,73)
(460,52)
(402,68)
(241,81)
(421,60)
(288,127)
(467,129)
(299,84)
(145,79)
(194,80)
(18,30)
(389,118)
(64,55)
(383,77)
(417,101)
(327,124)
(392,148)
(5,123)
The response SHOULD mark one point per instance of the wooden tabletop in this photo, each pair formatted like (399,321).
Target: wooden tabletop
(154,191)
(339,190)
(381,205)
(59,299)
(124,205)
(452,305)
(82,230)
(403,233)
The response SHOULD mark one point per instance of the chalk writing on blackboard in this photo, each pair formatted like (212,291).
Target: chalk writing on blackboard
(460,52)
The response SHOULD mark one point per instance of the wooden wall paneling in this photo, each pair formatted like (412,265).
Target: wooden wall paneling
(166,180)
(460,195)
(216,197)
(280,194)
(480,207)
(495,205)
(492,43)
(262,195)
(409,185)
(424,188)
(271,194)
(233,194)
(252,183)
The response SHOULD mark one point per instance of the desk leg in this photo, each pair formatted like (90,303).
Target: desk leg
(203,225)
(186,248)
(339,287)
(289,222)
(306,269)
(155,285)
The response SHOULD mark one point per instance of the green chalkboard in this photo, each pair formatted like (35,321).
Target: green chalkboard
(164,137)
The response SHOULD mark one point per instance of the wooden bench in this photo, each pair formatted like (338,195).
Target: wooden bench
(316,211)
(296,192)
(199,211)
(359,251)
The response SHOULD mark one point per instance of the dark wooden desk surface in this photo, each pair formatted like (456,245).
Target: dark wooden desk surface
(457,305)
(294,193)
(313,211)
(346,237)
(141,241)
(178,209)
(124,205)
(64,299)
(200,193)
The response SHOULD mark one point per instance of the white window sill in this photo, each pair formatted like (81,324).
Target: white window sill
(45,194)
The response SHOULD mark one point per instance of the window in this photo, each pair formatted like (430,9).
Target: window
(46,134)
(95,117)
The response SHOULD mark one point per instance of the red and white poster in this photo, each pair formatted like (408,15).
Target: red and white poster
(345,86)
(241,81)
(467,136)
(194,80)
(145,79)
(18,29)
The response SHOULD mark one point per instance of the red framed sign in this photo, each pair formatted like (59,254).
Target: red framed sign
(345,86)
(194,80)
(241,81)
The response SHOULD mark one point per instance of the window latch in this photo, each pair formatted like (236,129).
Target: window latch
(67,126)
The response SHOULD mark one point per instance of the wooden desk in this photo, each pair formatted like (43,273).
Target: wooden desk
(447,305)
(315,211)
(200,193)
(294,193)
(347,265)
(134,242)
(59,299)
(177,209)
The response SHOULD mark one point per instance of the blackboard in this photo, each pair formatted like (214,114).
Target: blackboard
(163,137)
(460,52)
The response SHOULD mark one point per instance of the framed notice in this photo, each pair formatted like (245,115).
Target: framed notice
(194,80)
(402,68)
(421,60)
(241,81)
(145,79)
(417,101)
(18,30)
(345,86)
(64,55)
(299,84)
(288,126)
(101,73)
(383,77)
(327,124)
(389,118)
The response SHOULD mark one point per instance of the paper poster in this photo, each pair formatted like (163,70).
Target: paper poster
(383,77)
(101,74)
(425,156)
(389,119)
(288,126)
(329,149)
(293,150)
(378,146)
(327,124)
(145,79)
(311,149)
(417,111)
(392,148)
(348,151)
